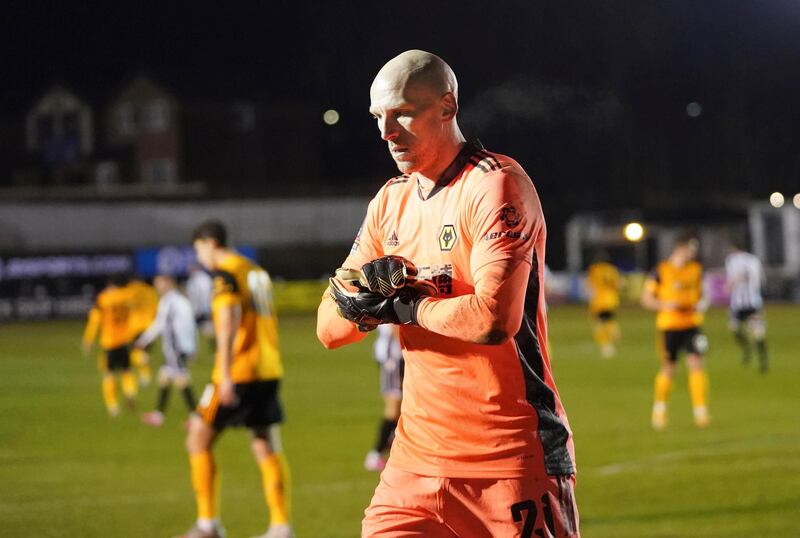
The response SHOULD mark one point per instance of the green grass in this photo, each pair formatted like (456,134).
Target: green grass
(68,470)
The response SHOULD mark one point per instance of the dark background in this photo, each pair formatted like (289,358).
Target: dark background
(590,97)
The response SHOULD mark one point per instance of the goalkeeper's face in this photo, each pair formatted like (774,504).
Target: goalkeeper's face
(414,121)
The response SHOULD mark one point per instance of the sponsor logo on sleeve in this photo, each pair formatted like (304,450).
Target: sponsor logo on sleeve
(510,216)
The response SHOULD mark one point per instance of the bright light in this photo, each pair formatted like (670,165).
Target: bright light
(633,231)
(796,200)
(331,117)
(694,109)
(776,199)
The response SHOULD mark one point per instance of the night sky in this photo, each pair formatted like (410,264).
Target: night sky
(589,96)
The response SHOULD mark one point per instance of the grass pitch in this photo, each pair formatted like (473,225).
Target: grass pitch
(69,471)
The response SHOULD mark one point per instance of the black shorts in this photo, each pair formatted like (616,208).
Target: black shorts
(689,340)
(118,358)
(257,405)
(744,314)
(605,315)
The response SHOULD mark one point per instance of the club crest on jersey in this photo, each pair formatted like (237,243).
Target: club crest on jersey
(392,241)
(510,216)
(447,237)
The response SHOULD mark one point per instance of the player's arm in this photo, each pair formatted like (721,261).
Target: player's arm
(705,294)
(90,332)
(504,218)
(155,328)
(333,330)
(227,314)
(491,315)
(649,298)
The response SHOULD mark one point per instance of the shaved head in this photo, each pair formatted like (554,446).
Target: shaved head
(414,99)
(418,68)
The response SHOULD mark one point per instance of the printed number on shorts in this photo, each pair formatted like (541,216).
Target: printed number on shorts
(260,286)
(527,512)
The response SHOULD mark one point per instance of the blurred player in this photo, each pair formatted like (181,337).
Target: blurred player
(245,380)
(198,290)
(144,303)
(675,290)
(389,355)
(111,315)
(175,324)
(744,277)
(603,281)
(483,445)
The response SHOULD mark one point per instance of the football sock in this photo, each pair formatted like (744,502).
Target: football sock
(385,434)
(129,385)
(761,346)
(275,479)
(110,394)
(613,331)
(188,397)
(663,386)
(163,397)
(601,334)
(741,339)
(698,388)
(204,484)
(140,360)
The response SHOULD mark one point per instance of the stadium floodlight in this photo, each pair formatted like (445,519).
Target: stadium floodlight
(796,200)
(633,232)
(330,117)
(776,199)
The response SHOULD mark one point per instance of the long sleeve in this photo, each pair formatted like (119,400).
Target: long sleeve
(489,316)
(332,329)
(92,325)
(157,327)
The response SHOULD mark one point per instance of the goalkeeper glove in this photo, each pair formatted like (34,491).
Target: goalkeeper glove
(387,274)
(368,309)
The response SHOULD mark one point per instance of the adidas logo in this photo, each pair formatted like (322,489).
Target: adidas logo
(392,241)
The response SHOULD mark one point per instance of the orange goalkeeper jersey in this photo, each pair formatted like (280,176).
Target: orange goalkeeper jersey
(486,410)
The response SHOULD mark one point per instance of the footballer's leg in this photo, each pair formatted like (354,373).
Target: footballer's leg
(757,327)
(662,385)
(199,442)
(140,359)
(110,394)
(740,335)
(698,388)
(275,478)
(156,417)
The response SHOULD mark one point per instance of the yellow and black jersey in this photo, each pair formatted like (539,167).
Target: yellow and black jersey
(240,282)
(111,314)
(144,305)
(680,287)
(603,281)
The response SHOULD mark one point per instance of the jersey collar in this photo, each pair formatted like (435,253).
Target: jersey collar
(455,167)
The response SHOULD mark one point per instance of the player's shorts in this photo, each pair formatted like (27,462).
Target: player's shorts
(407,504)
(174,365)
(605,315)
(118,358)
(689,340)
(391,377)
(257,405)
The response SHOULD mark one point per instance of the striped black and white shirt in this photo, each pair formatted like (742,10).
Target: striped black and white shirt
(744,276)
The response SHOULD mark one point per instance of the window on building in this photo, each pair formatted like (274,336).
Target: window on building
(126,121)
(157,115)
(160,171)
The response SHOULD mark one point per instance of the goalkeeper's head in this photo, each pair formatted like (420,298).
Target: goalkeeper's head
(208,238)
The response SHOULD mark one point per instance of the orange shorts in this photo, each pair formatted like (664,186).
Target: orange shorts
(409,505)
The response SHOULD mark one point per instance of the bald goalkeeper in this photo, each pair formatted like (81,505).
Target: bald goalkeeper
(483,446)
